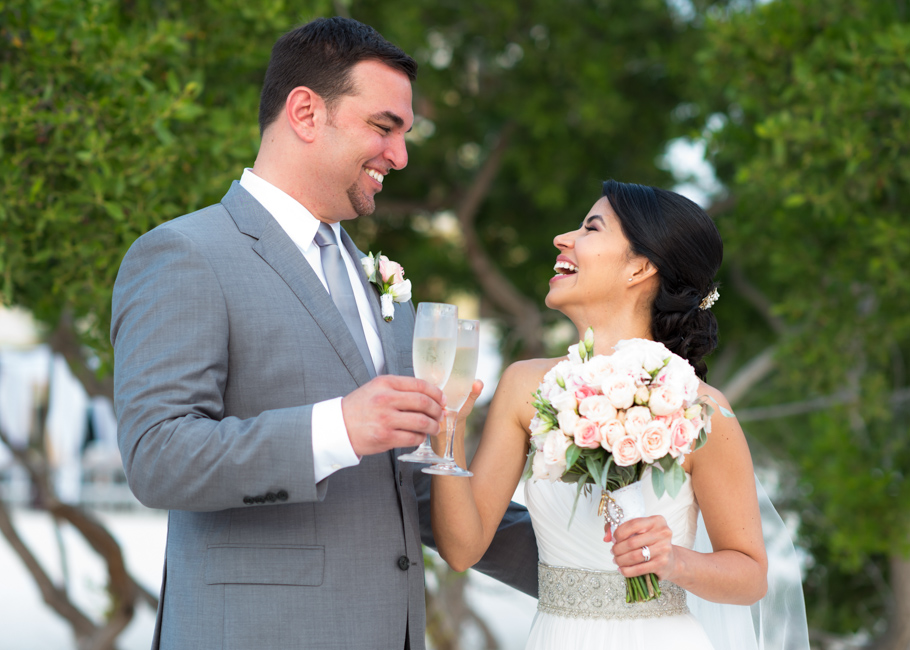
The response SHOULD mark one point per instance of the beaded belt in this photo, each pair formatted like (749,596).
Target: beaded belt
(578,593)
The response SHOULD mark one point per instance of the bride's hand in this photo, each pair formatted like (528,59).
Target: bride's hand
(652,532)
(439,442)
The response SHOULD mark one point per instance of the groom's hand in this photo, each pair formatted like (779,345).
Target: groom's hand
(391,411)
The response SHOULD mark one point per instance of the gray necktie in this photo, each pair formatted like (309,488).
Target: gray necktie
(336,275)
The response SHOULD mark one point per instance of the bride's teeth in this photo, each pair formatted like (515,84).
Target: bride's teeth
(565,267)
(375,175)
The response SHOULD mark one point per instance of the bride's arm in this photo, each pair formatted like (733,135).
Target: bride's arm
(467,512)
(724,484)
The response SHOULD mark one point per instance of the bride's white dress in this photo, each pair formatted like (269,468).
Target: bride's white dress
(569,624)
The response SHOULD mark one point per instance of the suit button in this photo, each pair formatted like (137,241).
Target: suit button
(271,497)
(259,498)
(248,500)
(282,495)
(403,563)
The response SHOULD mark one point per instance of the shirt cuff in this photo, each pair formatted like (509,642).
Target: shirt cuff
(332,448)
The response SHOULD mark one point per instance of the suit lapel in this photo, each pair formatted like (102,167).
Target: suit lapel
(278,251)
(389,351)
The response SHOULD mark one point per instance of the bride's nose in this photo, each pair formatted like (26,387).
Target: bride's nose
(564,241)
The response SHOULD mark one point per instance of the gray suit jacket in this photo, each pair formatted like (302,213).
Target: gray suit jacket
(223,339)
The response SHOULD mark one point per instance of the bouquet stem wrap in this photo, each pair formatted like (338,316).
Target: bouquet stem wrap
(617,506)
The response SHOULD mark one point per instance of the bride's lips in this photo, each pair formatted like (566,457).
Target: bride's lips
(564,267)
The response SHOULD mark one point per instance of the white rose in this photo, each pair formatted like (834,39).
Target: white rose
(642,395)
(637,418)
(626,451)
(401,291)
(665,400)
(611,433)
(539,467)
(649,355)
(620,390)
(574,356)
(554,453)
(369,266)
(655,441)
(564,401)
(567,421)
(597,408)
(596,370)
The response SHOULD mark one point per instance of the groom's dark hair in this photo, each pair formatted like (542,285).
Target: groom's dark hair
(320,55)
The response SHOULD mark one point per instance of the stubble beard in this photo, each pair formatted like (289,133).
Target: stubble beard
(363,204)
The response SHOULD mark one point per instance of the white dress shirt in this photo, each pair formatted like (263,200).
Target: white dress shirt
(331,445)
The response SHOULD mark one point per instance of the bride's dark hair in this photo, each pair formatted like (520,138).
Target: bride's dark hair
(681,240)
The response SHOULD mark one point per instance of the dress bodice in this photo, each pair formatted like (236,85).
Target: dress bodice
(582,545)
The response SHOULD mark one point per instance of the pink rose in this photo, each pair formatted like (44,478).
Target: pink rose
(610,433)
(626,452)
(637,418)
(620,390)
(682,433)
(597,408)
(583,391)
(655,441)
(587,434)
(390,270)
(665,400)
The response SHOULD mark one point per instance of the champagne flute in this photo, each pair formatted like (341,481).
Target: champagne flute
(435,332)
(457,389)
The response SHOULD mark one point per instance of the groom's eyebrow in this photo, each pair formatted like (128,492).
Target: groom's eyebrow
(391,117)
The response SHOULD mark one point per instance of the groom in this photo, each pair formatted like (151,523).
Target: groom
(261,397)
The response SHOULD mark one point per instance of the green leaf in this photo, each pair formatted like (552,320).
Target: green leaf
(657,481)
(572,454)
(674,478)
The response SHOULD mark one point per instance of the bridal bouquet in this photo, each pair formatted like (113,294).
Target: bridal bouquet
(602,420)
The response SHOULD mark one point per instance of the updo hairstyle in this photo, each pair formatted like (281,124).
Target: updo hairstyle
(681,240)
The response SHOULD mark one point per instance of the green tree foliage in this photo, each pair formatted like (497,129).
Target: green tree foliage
(116,116)
(809,104)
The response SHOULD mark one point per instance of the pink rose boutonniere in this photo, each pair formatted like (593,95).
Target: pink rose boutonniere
(388,276)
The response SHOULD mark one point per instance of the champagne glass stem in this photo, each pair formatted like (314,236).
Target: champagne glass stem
(451,421)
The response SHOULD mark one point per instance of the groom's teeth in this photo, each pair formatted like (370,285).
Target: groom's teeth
(375,175)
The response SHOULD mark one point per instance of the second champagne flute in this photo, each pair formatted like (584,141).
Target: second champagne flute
(435,331)
(457,390)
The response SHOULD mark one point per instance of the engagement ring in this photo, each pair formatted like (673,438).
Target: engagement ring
(646,552)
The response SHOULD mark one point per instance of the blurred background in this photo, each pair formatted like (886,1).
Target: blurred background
(789,121)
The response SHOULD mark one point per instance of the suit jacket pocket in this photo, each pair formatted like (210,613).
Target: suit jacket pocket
(264,564)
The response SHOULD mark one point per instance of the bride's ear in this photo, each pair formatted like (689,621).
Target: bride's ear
(641,268)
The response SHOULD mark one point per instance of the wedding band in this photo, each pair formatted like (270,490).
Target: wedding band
(646,552)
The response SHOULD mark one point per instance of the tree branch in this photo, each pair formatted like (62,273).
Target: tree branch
(756,298)
(749,375)
(522,314)
(54,597)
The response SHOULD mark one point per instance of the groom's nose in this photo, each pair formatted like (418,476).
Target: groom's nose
(397,152)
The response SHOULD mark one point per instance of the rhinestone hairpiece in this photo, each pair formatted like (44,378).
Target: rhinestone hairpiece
(709,300)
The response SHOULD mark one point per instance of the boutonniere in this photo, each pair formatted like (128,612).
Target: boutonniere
(388,276)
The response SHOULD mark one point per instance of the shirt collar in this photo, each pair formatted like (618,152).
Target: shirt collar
(298,222)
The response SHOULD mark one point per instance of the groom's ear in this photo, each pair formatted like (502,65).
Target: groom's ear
(304,109)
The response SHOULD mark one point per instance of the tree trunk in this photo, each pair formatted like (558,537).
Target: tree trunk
(897,636)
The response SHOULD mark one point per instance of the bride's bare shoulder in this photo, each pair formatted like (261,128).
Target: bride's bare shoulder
(523,377)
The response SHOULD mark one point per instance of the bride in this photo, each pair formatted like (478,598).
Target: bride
(641,265)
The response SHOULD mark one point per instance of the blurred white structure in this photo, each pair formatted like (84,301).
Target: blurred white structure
(43,405)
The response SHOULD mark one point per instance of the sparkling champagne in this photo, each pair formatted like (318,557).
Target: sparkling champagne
(433,358)
(463,374)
